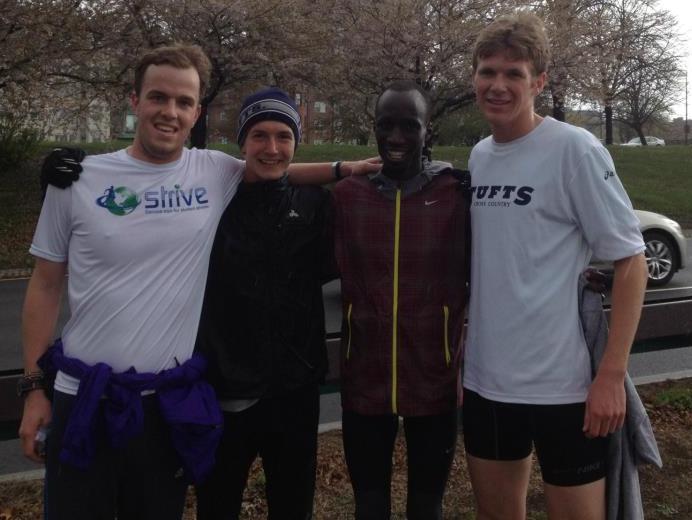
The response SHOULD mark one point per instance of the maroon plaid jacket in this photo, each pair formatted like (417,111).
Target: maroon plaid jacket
(403,267)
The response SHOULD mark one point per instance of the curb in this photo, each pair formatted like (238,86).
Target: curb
(23,476)
(14,274)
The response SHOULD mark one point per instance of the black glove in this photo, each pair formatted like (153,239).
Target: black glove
(61,168)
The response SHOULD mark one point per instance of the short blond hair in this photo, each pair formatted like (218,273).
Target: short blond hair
(180,56)
(522,35)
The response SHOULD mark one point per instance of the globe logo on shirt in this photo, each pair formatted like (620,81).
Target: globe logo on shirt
(119,201)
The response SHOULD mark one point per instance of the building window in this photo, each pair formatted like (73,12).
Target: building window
(320,107)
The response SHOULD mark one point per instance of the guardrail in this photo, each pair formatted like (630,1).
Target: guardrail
(666,317)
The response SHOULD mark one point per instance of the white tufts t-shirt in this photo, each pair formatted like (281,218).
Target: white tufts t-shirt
(542,204)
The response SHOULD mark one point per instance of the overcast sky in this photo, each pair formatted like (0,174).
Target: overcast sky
(682,9)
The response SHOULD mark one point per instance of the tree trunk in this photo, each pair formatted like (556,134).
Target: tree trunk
(609,124)
(640,133)
(558,107)
(198,134)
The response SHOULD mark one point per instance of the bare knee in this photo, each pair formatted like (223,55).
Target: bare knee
(500,487)
(584,502)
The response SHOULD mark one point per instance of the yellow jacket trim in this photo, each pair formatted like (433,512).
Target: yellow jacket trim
(395,298)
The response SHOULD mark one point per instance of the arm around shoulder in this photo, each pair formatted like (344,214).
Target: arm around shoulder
(324,173)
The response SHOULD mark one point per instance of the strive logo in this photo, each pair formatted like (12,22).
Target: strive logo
(119,201)
(176,200)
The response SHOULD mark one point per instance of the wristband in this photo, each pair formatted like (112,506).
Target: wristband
(336,170)
(30,382)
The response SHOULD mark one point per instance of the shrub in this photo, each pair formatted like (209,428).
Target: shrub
(17,142)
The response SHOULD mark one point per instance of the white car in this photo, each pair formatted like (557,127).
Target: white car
(666,247)
(650,141)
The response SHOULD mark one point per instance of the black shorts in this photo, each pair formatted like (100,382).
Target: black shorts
(507,431)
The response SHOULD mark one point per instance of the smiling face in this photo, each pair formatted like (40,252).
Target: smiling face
(505,92)
(166,107)
(401,126)
(268,150)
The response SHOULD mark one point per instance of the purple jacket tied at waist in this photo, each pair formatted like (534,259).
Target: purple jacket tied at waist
(187,403)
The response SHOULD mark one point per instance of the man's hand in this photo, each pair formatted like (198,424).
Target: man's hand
(605,404)
(363,167)
(37,413)
(61,167)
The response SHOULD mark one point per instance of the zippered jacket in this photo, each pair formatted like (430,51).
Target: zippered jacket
(403,262)
(262,324)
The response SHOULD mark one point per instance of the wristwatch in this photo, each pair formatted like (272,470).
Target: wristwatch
(336,170)
(30,382)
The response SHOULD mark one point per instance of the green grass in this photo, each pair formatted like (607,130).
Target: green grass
(678,398)
(657,179)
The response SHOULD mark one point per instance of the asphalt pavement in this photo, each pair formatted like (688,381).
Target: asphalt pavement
(645,367)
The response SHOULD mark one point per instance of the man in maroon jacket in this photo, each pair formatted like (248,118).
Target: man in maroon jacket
(401,250)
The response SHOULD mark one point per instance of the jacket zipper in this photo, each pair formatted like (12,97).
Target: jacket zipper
(448,357)
(395,298)
(348,323)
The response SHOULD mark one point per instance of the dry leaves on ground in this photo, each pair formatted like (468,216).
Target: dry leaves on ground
(666,492)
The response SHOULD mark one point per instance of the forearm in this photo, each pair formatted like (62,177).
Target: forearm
(40,311)
(323,173)
(311,173)
(629,286)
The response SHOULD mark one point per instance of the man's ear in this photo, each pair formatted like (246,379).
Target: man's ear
(540,82)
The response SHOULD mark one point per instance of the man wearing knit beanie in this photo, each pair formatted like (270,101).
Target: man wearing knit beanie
(262,325)
(269,104)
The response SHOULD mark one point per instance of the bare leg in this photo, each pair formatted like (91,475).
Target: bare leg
(500,487)
(585,502)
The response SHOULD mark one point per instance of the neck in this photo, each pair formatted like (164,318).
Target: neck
(251,177)
(505,134)
(405,173)
(137,151)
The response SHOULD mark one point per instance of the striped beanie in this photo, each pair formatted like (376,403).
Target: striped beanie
(269,104)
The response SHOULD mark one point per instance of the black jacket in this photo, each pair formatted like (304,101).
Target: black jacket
(262,324)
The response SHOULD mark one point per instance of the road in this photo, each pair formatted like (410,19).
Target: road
(644,367)
(12,295)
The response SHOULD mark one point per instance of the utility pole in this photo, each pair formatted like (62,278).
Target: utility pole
(687,121)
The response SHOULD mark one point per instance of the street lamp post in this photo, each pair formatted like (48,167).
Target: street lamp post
(686,128)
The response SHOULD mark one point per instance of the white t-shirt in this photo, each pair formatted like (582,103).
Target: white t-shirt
(137,238)
(542,204)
